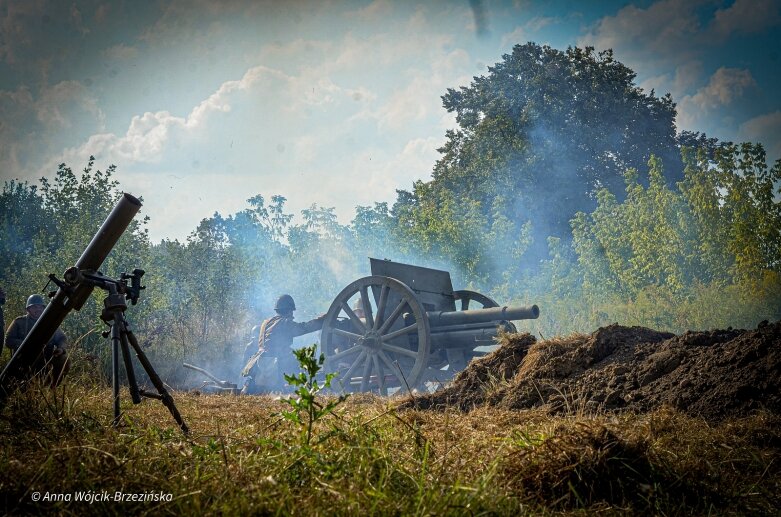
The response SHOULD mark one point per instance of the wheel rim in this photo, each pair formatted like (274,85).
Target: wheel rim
(466,297)
(388,347)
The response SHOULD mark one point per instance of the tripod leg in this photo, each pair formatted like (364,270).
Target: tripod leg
(165,397)
(115,346)
(131,374)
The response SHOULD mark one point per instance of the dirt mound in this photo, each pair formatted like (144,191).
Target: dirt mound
(715,374)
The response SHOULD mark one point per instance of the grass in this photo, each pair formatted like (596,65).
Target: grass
(367,458)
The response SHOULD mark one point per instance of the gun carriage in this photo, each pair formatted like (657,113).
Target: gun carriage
(405,326)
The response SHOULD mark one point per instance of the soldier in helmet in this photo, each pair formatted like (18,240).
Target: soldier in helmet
(275,338)
(53,362)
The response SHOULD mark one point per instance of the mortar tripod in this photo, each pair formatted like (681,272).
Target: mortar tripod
(122,338)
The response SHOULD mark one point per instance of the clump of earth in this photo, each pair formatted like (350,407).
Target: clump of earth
(714,375)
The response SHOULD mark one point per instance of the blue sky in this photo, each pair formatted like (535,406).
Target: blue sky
(203,104)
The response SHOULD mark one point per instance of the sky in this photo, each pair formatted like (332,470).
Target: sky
(204,104)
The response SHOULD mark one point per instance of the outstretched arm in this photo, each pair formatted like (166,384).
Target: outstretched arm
(308,326)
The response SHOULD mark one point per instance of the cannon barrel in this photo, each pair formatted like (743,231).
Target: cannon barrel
(18,368)
(447,318)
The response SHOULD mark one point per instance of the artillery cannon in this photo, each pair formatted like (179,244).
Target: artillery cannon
(401,327)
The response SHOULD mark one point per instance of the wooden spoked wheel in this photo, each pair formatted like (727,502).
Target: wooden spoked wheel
(379,341)
(468,300)
(472,300)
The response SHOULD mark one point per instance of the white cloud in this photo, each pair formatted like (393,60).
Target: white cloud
(746,16)
(14,33)
(120,52)
(528,31)
(373,12)
(666,30)
(420,98)
(149,136)
(75,18)
(195,148)
(54,102)
(31,122)
(374,174)
(678,84)
(15,107)
(539,22)
(726,85)
(686,76)
(518,35)
(766,129)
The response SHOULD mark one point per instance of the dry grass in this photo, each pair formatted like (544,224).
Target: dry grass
(372,459)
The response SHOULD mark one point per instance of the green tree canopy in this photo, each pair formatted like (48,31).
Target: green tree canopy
(545,129)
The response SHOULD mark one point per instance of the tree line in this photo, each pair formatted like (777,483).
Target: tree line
(564,184)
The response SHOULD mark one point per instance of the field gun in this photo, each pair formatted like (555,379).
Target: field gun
(405,326)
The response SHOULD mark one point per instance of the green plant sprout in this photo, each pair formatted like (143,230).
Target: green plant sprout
(306,390)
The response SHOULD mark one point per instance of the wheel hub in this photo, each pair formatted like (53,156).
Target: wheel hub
(371,340)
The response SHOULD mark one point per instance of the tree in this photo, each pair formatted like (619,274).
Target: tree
(544,130)
(45,231)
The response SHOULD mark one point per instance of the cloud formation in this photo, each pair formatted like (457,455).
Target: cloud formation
(725,87)
(330,103)
(745,16)
(765,129)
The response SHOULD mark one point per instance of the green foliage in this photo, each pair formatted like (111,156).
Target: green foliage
(554,189)
(45,231)
(544,130)
(676,258)
(307,388)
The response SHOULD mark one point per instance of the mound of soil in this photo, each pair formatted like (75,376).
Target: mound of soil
(713,375)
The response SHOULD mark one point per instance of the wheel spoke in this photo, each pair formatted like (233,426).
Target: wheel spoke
(349,335)
(395,369)
(354,318)
(367,370)
(392,318)
(345,353)
(367,307)
(380,374)
(349,374)
(400,332)
(399,350)
(464,303)
(381,305)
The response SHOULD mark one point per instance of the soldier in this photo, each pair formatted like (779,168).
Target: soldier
(358,309)
(252,345)
(53,362)
(275,338)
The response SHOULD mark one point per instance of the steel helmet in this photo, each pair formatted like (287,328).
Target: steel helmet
(35,299)
(285,303)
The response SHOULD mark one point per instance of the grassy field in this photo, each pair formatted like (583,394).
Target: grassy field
(368,458)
